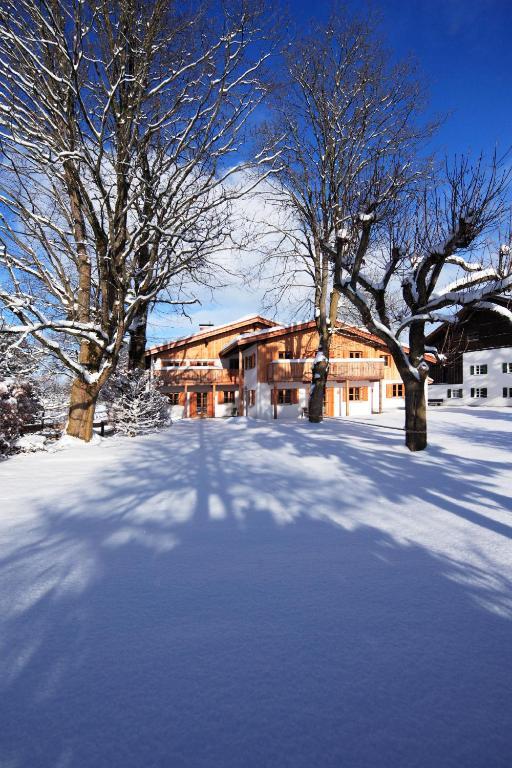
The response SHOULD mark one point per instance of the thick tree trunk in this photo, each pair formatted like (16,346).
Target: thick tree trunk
(82,401)
(81,410)
(137,346)
(415,415)
(317,391)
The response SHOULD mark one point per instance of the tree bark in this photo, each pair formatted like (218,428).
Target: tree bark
(82,401)
(82,404)
(317,392)
(137,345)
(415,415)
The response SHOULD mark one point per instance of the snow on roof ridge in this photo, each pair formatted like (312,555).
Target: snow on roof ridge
(250,334)
(211,329)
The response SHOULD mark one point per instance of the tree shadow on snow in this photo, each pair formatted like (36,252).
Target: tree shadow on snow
(223,604)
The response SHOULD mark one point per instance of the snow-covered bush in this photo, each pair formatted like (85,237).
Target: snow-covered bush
(134,407)
(19,405)
(31,443)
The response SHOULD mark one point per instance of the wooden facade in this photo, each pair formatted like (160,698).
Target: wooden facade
(233,368)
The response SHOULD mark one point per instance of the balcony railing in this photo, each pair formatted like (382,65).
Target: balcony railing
(182,375)
(350,370)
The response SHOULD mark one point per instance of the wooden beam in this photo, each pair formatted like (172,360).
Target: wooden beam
(347,407)
(274,394)
(381,394)
(185,406)
(240,384)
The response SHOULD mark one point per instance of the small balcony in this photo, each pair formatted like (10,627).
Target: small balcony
(346,370)
(190,375)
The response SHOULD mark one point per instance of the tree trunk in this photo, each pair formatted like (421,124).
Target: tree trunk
(82,401)
(137,346)
(415,415)
(81,410)
(317,391)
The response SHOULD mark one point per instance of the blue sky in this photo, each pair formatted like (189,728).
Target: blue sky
(464,54)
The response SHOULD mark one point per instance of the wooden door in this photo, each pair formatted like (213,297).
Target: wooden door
(329,401)
(201,399)
(210,406)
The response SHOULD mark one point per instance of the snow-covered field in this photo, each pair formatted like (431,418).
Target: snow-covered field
(247,594)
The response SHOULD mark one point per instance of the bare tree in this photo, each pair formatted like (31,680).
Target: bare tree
(118,122)
(427,257)
(350,122)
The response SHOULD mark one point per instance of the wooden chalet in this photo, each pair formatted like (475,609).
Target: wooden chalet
(258,368)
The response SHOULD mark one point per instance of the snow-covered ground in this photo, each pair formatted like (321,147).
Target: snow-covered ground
(250,594)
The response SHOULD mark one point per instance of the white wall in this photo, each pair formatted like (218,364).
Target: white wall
(221,409)
(224,409)
(264,408)
(176,412)
(494,380)
(389,403)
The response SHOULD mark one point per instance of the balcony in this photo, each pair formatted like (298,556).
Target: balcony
(190,375)
(346,370)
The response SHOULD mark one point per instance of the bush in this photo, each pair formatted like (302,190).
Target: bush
(134,407)
(19,406)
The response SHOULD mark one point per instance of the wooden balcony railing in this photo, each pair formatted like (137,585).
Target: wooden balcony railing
(357,370)
(196,375)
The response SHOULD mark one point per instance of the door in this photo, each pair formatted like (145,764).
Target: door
(329,401)
(202,404)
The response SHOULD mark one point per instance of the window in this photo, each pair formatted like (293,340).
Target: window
(506,367)
(228,396)
(453,393)
(354,393)
(287,396)
(174,398)
(285,354)
(249,361)
(355,354)
(397,390)
(479,392)
(252,398)
(477,370)
(202,402)
(507,392)
(386,360)
(233,363)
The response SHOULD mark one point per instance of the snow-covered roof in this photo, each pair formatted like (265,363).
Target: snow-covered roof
(250,335)
(244,338)
(212,331)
